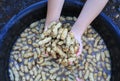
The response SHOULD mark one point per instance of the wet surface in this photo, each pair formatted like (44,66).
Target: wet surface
(12,7)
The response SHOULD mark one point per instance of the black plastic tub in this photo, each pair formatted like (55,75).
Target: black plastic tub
(102,24)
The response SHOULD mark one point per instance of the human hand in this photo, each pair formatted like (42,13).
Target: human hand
(45,28)
(78,38)
(49,24)
(78,79)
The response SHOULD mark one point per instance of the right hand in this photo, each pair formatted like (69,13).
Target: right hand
(45,29)
(78,38)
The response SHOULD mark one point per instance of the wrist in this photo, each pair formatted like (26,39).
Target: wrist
(49,21)
(79,28)
(75,34)
(77,31)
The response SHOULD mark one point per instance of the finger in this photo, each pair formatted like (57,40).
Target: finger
(46,54)
(78,79)
(80,48)
(78,52)
(70,63)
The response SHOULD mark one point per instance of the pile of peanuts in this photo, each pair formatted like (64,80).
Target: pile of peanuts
(40,55)
(59,43)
